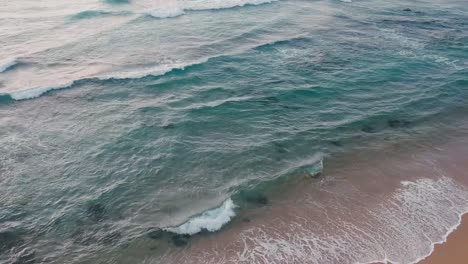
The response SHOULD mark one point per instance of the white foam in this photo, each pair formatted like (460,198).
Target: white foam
(131,73)
(36,92)
(224,4)
(402,229)
(211,220)
(178,8)
(7,63)
(167,12)
(31,93)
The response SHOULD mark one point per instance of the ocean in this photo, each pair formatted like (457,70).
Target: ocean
(231,131)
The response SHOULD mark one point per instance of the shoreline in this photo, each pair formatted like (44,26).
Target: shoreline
(451,249)
(359,199)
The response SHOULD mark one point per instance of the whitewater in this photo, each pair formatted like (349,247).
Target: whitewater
(231,131)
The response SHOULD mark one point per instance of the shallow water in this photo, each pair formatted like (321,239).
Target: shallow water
(120,118)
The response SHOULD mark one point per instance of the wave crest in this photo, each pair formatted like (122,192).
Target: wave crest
(178,10)
(7,64)
(211,220)
(167,12)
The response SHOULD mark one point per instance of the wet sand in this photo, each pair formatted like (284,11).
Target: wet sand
(387,205)
(454,250)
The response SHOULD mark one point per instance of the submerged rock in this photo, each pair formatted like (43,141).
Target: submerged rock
(156,234)
(8,240)
(280,148)
(368,129)
(396,123)
(336,143)
(169,126)
(96,212)
(180,240)
(257,199)
(314,170)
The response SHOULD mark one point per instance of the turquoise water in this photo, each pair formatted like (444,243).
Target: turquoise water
(121,117)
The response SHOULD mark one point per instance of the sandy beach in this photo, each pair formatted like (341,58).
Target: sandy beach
(335,220)
(454,250)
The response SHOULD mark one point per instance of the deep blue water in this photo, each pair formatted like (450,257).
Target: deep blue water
(117,117)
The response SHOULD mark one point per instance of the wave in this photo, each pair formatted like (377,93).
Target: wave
(211,220)
(403,229)
(96,13)
(7,64)
(176,10)
(254,194)
(117,2)
(166,12)
(31,93)
(36,92)
(438,190)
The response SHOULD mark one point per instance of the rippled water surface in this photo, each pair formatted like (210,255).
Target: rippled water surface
(119,119)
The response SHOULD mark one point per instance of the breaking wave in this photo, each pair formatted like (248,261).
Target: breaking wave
(32,93)
(7,64)
(96,13)
(403,230)
(211,220)
(180,9)
(167,12)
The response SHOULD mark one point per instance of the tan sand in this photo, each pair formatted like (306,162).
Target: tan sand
(455,250)
(358,212)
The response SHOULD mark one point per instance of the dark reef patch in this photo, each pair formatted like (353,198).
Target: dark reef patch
(155,234)
(180,240)
(396,123)
(336,143)
(169,126)
(9,240)
(117,2)
(256,198)
(368,129)
(96,212)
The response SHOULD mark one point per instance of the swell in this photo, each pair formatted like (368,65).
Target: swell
(36,92)
(342,222)
(252,193)
(174,11)
(96,13)
(7,64)
(210,220)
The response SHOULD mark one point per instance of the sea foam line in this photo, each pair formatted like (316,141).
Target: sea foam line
(413,220)
(211,220)
(443,240)
(7,64)
(35,92)
(174,11)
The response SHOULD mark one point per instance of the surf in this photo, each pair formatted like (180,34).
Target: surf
(7,64)
(179,8)
(211,220)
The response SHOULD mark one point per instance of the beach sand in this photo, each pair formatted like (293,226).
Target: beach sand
(455,250)
(398,194)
